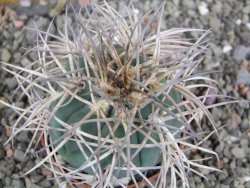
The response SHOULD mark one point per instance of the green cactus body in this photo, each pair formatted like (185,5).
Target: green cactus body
(73,111)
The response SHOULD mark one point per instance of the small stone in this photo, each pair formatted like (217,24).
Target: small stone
(36,178)
(241,186)
(224,186)
(216,50)
(17,56)
(25,62)
(241,52)
(7,181)
(7,166)
(232,164)
(248,25)
(239,153)
(60,6)
(83,3)
(18,34)
(248,95)
(246,178)
(204,171)
(18,23)
(23,137)
(217,7)
(17,183)
(202,8)
(25,3)
(5,55)
(9,152)
(2,175)
(238,21)
(245,19)
(227,152)
(45,183)
(232,139)
(11,83)
(245,36)
(226,9)
(223,175)
(246,9)
(27,182)
(19,156)
(243,77)
(189,4)
(35,186)
(244,143)
(214,23)
(236,119)
(227,48)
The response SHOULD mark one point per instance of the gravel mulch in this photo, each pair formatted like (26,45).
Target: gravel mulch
(229,42)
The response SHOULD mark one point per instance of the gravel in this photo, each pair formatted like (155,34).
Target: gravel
(241,52)
(229,42)
(5,55)
(239,153)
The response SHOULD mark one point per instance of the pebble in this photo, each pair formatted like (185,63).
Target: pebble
(36,178)
(18,23)
(8,181)
(17,183)
(17,57)
(59,7)
(238,21)
(243,77)
(239,153)
(246,9)
(244,143)
(25,3)
(5,55)
(248,25)
(19,156)
(224,186)
(23,137)
(214,23)
(9,152)
(226,9)
(217,7)
(11,83)
(189,4)
(203,9)
(25,62)
(35,186)
(7,166)
(36,10)
(27,182)
(240,53)
(45,183)
(18,34)
(227,48)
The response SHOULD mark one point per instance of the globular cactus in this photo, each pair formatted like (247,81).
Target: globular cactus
(114,99)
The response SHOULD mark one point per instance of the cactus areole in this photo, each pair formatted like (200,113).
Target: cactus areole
(117,131)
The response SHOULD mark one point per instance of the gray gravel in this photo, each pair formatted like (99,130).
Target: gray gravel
(230,53)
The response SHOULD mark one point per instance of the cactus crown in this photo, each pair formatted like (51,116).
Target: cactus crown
(114,99)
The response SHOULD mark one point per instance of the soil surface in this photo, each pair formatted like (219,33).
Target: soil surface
(229,21)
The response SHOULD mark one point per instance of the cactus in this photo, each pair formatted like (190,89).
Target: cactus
(74,111)
(114,99)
